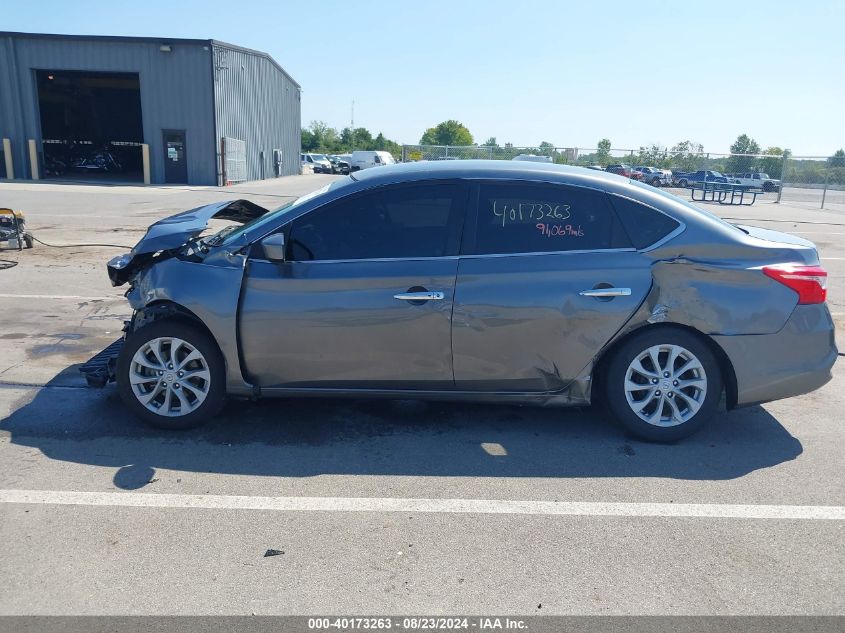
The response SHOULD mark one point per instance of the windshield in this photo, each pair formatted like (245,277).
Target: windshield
(319,157)
(231,234)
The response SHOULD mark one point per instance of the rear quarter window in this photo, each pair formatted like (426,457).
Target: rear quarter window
(644,225)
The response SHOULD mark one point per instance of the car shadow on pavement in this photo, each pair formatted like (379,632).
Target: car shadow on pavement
(307,437)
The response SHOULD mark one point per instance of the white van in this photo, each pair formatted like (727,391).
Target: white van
(364,159)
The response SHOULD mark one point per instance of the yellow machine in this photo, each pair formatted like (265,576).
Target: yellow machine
(13,230)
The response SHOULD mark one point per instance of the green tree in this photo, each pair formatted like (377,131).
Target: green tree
(838,159)
(359,138)
(307,142)
(771,163)
(653,156)
(744,144)
(491,142)
(686,155)
(449,132)
(380,142)
(603,153)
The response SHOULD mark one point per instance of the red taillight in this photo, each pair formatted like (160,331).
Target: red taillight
(810,282)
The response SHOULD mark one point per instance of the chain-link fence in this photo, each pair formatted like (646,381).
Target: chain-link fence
(804,180)
(816,181)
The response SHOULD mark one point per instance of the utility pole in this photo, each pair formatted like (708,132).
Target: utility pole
(352,126)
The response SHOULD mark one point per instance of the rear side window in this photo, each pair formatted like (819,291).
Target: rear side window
(644,225)
(392,222)
(540,218)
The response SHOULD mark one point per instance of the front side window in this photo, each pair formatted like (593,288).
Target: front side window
(539,218)
(392,222)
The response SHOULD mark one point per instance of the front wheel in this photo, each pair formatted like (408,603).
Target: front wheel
(655,182)
(171,375)
(663,384)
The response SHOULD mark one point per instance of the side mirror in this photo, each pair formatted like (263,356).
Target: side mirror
(274,247)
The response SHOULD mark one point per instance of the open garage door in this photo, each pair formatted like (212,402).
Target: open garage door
(90,124)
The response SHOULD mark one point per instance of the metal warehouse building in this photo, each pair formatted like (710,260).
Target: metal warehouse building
(140,108)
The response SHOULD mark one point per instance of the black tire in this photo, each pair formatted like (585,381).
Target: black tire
(27,240)
(616,374)
(768,187)
(202,342)
(655,182)
(682,183)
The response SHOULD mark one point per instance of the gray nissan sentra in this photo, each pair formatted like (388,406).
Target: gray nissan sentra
(472,280)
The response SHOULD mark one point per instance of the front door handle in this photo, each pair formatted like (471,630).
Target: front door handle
(606,292)
(420,296)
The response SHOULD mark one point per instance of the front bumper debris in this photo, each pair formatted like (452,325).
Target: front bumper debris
(101,369)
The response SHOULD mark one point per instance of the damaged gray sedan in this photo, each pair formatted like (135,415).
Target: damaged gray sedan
(471,280)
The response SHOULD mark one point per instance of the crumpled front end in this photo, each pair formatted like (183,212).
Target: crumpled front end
(166,238)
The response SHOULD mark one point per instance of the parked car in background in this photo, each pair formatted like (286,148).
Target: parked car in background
(364,159)
(654,176)
(624,170)
(318,162)
(534,158)
(758,179)
(572,287)
(685,179)
(339,166)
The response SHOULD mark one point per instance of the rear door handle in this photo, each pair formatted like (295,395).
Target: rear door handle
(419,296)
(606,292)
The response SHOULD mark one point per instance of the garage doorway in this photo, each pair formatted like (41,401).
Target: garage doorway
(91,126)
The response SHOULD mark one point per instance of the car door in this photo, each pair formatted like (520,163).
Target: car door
(545,279)
(364,298)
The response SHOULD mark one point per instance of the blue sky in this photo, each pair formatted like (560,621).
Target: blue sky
(527,71)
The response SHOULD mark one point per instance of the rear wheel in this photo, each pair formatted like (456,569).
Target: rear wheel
(682,183)
(663,384)
(171,375)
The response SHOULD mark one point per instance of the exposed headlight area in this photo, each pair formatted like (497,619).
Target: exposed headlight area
(120,261)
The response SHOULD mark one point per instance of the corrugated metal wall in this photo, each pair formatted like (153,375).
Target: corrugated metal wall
(257,102)
(176,92)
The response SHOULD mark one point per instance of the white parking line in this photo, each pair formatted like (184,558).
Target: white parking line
(439,506)
(6,295)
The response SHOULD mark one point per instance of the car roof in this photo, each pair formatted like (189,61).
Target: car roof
(481,169)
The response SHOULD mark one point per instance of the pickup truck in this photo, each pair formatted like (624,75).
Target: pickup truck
(655,177)
(757,179)
(624,170)
(685,179)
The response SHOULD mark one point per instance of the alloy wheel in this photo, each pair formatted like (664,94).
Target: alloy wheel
(665,385)
(169,376)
